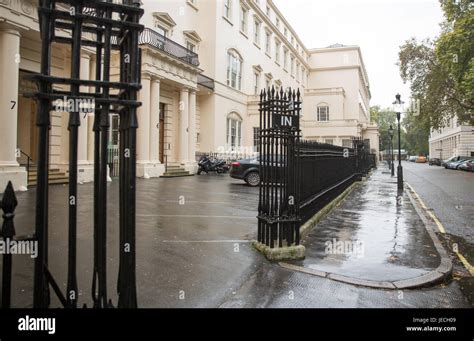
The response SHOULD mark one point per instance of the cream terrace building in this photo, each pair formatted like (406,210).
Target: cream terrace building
(453,140)
(204,64)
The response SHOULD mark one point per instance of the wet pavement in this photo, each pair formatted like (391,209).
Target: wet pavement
(372,235)
(193,250)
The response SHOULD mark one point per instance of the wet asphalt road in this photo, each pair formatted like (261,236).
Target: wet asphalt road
(450,194)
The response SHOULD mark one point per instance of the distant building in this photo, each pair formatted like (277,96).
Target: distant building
(453,140)
(337,98)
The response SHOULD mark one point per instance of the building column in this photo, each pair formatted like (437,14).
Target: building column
(183,125)
(154,121)
(85,169)
(143,131)
(9,83)
(192,127)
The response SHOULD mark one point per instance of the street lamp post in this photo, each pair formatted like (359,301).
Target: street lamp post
(390,162)
(398,108)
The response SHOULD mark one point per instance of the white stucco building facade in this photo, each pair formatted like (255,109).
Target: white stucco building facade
(454,139)
(204,64)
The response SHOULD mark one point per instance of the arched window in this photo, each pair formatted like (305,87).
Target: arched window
(234,131)
(323,112)
(234,69)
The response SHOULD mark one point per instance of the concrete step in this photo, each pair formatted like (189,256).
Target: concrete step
(51,182)
(176,174)
(55,176)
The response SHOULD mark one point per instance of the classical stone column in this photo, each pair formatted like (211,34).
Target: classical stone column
(183,125)
(154,121)
(143,131)
(192,127)
(9,82)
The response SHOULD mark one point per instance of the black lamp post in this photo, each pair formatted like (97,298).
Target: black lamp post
(390,155)
(398,108)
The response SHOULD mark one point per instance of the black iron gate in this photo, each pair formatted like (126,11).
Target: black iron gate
(279,134)
(298,177)
(112,29)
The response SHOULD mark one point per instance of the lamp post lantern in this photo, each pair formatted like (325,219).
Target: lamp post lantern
(390,161)
(398,108)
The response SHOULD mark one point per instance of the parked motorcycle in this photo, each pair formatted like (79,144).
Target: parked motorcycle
(206,164)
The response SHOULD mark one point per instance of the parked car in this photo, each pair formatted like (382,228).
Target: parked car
(454,164)
(467,165)
(249,169)
(434,161)
(453,159)
(420,159)
(412,158)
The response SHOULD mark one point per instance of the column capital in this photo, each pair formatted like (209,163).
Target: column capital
(10,29)
(184,90)
(146,76)
(156,79)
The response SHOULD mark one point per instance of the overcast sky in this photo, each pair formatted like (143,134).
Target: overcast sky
(379,27)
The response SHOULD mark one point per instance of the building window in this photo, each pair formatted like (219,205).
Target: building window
(256,84)
(268,11)
(285,59)
(243,19)
(277,51)
(329,141)
(292,60)
(292,41)
(234,131)
(302,76)
(234,69)
(347,143)
(256,33)
(227,8)
(255,139)
(190,46)
(267,42)
(297,71)
(323,113)
(161,30)
(285,32)
(268,83)
(277,23)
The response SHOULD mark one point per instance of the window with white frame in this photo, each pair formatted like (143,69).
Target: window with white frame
(285,32)
(234,69)
(323,112)
(292,66)
(161,30)
(285,58)
(243,18)
(277,51)
(297,71)
(347,143)
(268,11)
(256,31)
(292,41)
(227,8)
(234,131)
(268,42)
(191,46)
(277,23)
(256,83)
(255,139)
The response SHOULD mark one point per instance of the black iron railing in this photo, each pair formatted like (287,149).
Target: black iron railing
(162,43)
(205,82)
(114,26)
(29,161)
(298,178)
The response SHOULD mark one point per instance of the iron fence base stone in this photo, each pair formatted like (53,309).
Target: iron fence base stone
(294,252)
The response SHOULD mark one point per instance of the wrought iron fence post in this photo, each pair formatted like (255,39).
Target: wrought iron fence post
(8,205)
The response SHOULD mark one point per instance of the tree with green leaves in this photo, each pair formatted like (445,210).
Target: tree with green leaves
(384,118)
(441,72)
